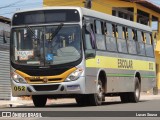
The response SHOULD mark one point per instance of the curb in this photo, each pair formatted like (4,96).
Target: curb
(10,104)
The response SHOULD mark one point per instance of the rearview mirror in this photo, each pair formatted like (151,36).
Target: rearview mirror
(91,53)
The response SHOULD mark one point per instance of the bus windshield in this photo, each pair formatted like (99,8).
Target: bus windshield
(49,45)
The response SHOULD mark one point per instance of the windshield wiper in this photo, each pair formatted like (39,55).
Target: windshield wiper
(31,31)
(55,32)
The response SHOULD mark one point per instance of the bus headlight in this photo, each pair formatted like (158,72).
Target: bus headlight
(17,78)
(74,75)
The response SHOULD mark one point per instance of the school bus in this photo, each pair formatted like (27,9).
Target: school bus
(59,52)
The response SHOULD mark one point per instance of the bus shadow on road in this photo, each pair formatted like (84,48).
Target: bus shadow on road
(74,105)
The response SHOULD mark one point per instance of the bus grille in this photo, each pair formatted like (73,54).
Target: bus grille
(42,80)
(45,87)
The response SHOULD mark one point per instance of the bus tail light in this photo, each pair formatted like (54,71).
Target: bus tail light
(74,75)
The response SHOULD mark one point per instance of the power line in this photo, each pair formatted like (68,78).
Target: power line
(29,4)
(24,6)
(9,5)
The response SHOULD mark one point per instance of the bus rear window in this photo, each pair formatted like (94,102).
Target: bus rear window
(46,16)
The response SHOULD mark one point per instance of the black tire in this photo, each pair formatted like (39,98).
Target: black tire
(135,96)
(125,97)
(92,99)
(39,100)
(97,98)
(82,100)
(132,96)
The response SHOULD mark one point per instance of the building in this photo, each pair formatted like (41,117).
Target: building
(141,11)
(5,89)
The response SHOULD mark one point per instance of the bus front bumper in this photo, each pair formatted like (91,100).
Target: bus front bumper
(72,87)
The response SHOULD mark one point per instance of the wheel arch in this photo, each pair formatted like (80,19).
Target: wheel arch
(138,75)
(103,77)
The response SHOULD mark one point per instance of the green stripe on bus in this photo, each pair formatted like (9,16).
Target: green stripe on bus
(129,75)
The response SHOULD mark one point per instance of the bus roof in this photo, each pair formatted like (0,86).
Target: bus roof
(99,15)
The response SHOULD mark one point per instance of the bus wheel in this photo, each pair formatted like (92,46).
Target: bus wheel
(39,100)
(82,100)
(125,97)
(132,96)
(97,98)
(135,96)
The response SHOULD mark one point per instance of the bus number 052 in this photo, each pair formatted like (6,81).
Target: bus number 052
(19,88)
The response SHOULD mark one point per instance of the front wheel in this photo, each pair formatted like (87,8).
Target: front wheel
(39,100)
(97,98)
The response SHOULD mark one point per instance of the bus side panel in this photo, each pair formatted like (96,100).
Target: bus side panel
(147,84)
(120,84)
(91,80)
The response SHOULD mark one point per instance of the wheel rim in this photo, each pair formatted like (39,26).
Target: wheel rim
(99,92)
(137,92)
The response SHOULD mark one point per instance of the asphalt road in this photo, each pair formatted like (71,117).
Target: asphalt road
(112,109)
(143,105)
(116,106)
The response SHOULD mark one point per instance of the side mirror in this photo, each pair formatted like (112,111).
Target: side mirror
(90,53)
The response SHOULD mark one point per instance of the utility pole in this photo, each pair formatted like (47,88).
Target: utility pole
(88,4)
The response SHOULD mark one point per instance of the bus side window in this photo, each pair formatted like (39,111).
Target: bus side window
(89,36)
(122,45)
(109,31)
(110,37)
(98,27)
(131,41)
(140,45)
(120,32)
(105,28)
(134,33)
(143,37)
(148,38)
(124,33)
(149,45)
(100,42)
(116,31)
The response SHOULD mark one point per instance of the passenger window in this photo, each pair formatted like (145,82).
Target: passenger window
(120,32)
(110,30)
(149,45)
(100,42)
(98,26)
(131,41)
(140,45)
(110,37)
(113,30)
(129,31)
(124,33)
(122,45)
(144,37)
(148,38)
(134,34)
(89,36)
(139,34)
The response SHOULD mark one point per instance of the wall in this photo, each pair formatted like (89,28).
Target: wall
(5,86)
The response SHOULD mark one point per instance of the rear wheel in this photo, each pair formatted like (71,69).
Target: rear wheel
(82,100)
(125,97)
(39,100)
(135,96)
(132,96)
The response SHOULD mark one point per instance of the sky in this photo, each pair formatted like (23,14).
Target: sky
(8,7)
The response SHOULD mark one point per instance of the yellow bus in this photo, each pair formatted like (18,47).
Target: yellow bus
(60,52)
